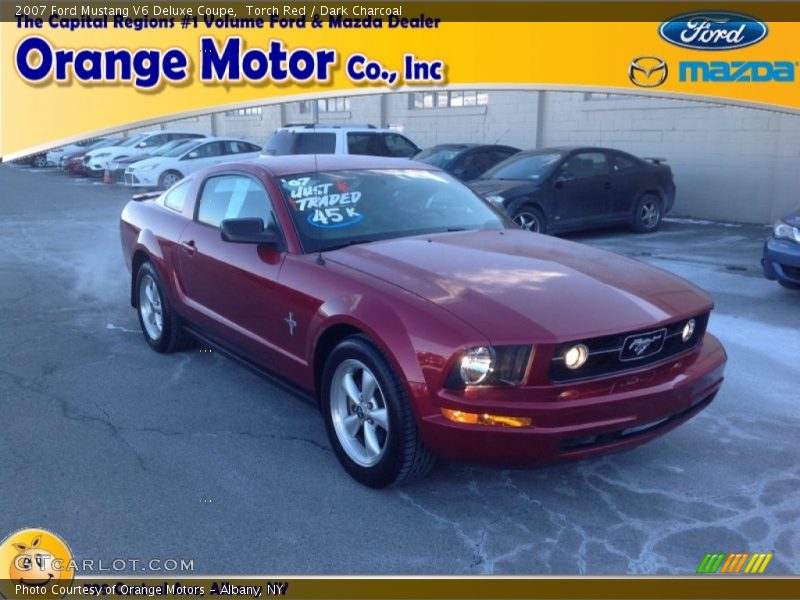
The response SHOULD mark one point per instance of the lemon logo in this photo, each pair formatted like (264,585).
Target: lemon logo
(36,559)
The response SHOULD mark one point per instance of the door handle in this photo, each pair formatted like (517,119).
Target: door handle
(189,246)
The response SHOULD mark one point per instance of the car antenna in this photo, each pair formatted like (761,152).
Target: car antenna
(320,260)
(497,141)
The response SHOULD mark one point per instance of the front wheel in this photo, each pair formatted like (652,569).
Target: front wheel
(168,179)
(368,417)
(647,214)
(160,325)
(530,218)
(40,161)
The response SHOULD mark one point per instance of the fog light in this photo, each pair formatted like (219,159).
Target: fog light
(476,365)
(688,330)
(576,356)
(485,419)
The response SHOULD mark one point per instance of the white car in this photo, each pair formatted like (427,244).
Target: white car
(166,170)
(338,139)
(53,157)
(97,161)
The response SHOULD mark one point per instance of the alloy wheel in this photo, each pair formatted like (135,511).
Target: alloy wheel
(359,413)
(528,222)
(150,307)
(650,213)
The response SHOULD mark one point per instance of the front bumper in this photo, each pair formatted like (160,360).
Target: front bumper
(140,179)
(781,260)
(579,420)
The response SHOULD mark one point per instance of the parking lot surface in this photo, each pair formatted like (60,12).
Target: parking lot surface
(129,454)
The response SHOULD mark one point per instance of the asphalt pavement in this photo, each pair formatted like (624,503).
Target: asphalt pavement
(129,454)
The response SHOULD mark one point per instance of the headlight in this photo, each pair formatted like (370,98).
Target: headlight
(102,154)
(495,199)
(688,330)
(575,357)
(485,365)
(787,232)
(145,168)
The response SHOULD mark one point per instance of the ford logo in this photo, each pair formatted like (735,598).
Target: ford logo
(713,30)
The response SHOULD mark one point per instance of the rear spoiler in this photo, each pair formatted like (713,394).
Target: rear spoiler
(145,196)
(656,161)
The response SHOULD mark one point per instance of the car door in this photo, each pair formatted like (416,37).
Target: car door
(626,181)
(201,156)
(581,190)
(232,287)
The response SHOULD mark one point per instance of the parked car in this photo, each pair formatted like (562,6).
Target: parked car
(96,161)
(116,168)
(423,322)
(38,160)
(561,189)
(72,162)
(338,139)
(165,171)
(781,261)
(53,157)
(465,161)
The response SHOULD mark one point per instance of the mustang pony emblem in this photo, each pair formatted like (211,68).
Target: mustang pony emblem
(639,345)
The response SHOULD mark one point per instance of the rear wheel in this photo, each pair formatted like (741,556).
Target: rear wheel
(368,417)
(168,179)
(647,214)
(160,325)
(530,218)
(40,161)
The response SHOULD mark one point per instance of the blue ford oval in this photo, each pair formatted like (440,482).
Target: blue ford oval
(713,30)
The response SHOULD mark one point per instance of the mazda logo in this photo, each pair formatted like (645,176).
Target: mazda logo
(648,71)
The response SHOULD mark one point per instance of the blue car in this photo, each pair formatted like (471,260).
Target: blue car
(781,260)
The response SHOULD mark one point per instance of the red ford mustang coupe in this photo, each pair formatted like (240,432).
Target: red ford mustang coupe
(420,318)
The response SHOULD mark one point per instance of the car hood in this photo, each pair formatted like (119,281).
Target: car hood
(491,187)
(155,160)
(793,218)
(515,286)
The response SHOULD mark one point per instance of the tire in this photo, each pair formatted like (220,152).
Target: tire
(168,179)
(39,161)
(160,325)
(396,453)
(647,214)
(530,218)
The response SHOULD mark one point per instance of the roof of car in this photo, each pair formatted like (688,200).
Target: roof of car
(306,163)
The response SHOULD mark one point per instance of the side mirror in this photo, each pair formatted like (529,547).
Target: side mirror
(562,177)
(249,231)
(141,145)
(192,155)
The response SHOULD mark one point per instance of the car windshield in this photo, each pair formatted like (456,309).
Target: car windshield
(132,141)
(103,143)
(185,146)
(340,208)
(524,166)
(438,157)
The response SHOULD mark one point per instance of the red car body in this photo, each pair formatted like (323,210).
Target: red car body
(422,307)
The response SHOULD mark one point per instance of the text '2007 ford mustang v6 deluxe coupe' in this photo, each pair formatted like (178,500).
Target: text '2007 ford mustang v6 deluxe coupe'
(421,319)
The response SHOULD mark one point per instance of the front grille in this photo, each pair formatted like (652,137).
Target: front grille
(131,179)
(793,272)
(608,354)
(604,439)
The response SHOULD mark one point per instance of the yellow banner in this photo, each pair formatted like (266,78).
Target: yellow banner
(71,70)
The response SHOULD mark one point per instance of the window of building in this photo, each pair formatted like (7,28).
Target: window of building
(448,99)
(253,111)
(341,104)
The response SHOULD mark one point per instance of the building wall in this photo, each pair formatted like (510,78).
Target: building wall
(730,163)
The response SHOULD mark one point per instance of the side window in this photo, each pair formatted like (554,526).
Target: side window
(476,163)
(499,154)
(399,146)
(584,165)
(175,198)
(365,143)
(241,147)
(206,150)
(623,163)
(156,140)
(315,143)
(233,197)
